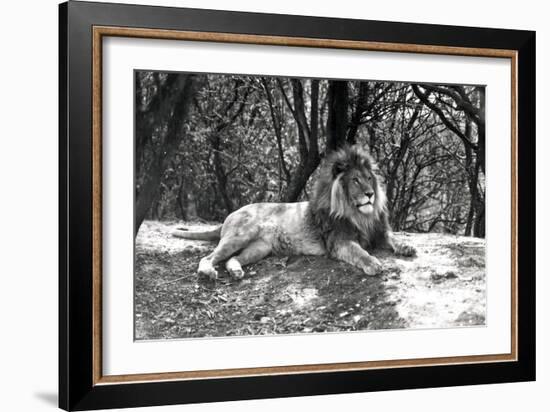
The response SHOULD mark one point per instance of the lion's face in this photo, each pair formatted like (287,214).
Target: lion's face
(360,187)
(350,188)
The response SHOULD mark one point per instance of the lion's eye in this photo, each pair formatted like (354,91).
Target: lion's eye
(356,181)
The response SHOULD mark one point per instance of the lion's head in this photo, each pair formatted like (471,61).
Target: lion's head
(349,187)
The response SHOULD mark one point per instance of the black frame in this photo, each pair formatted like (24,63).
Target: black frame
(76,388)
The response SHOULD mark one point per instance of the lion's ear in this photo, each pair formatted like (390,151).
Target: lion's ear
(338,168)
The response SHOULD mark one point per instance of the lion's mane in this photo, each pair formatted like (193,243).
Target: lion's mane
(332,209)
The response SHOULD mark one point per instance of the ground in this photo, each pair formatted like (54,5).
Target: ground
(444,286)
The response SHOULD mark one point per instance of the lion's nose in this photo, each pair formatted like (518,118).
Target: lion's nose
(369,194)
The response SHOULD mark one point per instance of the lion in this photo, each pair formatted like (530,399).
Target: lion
(346,218)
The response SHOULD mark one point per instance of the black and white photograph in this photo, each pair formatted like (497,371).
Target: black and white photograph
(276,205)
(215,206)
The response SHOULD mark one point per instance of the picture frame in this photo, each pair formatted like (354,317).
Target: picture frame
(83,27)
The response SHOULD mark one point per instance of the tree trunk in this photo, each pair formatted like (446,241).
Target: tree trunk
(277,127)
(479,226)
(181,199)
(481,129)
(337,121)
(148,118)
(182,96)
(148,193)
(307,138)
(472,208)
(221,176)
(358,113)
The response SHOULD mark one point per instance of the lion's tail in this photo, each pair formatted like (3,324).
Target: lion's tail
(213,234)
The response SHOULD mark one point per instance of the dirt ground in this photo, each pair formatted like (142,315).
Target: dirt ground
(444,286)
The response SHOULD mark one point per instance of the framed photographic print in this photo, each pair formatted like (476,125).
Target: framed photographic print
(257,205)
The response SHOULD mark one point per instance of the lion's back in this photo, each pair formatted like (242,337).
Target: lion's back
(285,226)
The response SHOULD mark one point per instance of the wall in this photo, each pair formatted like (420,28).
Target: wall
(28,231)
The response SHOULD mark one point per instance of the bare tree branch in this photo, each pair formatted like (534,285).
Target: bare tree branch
(425,99)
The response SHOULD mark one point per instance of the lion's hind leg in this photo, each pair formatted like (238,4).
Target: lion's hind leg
(206,267)
(228,246)
(254,252)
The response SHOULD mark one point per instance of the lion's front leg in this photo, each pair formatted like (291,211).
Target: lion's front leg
(351,252)
(400,249)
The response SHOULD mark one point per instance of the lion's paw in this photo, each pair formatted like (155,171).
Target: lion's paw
(237,273)
(372,266)
(405,250)
(206,269)
(211,273)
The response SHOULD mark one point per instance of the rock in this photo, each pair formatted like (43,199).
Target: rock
(470,319)
(439,277)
